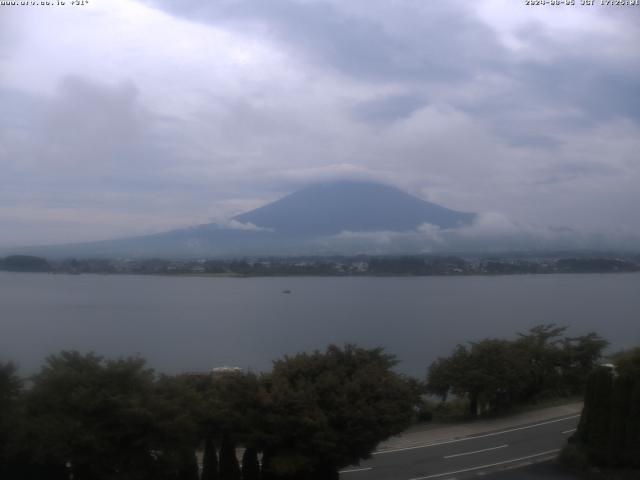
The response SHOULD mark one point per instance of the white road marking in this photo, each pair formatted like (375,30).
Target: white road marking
(427,445)
(476,451)
(570,431)
(356,470)
(548,452)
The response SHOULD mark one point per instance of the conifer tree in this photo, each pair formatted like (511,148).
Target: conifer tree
(265,465)
(210,460)
(189,468)
(632,437)
(250,464)
(619,414)
(597,434)
(229,468)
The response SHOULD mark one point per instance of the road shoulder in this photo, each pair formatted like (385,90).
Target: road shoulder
(430,434)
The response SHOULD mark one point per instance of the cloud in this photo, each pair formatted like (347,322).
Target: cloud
(247,226)
(371,40)
(90,159)
(431,233)
(383,237)
(490,232)
(190,111)
(387,109)
(493,224)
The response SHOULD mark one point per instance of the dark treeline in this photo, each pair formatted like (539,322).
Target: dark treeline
(407,265)
(24,263)
(609,431)
(87,418)
(99,419)
(495,374)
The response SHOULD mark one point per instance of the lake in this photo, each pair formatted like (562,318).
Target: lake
(196,323)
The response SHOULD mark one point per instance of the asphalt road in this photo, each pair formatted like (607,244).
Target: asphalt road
(467,457)
(538,471)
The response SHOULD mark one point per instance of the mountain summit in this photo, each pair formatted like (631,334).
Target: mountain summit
(330,208)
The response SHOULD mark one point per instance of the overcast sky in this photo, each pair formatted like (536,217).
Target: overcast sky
(123,117)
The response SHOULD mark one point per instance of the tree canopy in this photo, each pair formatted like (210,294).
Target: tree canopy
(609,429)
(96,418)
(329,409)
(495,373)
(93,414)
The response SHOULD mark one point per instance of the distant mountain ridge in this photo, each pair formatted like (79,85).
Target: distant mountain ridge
(331,208)
(304,222)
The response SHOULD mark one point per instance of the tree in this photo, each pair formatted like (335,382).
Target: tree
(229,468)
(323,411)
(210,460)
(632,434)
(628,370)
(628,362)
(176,411)
(541,345)
(487,373)
(497,368)
(93,414)
(10,387)
(445,373)
(189,466)
(25,263)
(10,418)
(609,428)
(580,356)
(228,413)
(498,373)
(618,418)
(250,464)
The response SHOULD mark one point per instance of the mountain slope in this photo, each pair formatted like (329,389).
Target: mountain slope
(329,208)
(306,221)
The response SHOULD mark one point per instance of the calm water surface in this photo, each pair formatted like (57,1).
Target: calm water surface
(189,323)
